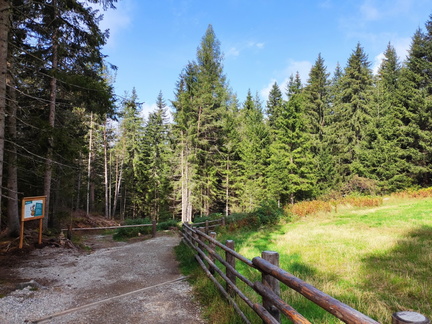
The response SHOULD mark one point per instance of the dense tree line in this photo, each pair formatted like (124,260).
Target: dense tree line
(68,137)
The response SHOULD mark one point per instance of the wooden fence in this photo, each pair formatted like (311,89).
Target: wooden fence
(273,306)
(69,230)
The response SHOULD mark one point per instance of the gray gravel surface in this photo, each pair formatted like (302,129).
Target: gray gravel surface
(125,283)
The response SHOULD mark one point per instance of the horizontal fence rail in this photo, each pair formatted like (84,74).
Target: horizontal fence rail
(273,306)
(69,230)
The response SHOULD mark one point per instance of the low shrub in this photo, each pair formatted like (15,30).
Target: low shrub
(268,212)
(123,233)
(305,208)
(167,225)
(365,201)
(413,193)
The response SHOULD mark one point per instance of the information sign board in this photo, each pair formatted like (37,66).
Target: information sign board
(33,208)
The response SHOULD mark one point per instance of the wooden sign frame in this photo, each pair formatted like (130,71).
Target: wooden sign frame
(33,208)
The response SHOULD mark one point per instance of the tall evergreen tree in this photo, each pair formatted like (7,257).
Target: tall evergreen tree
(290,170)
(381,156)
(200,104)
(415,93)
(156,161)
(352,112)
(274,104)
(253,147)
(317,98)
(128,150)
(230,155)
(4,39)
(316,95)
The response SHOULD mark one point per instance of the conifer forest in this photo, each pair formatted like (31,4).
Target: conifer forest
(66,135)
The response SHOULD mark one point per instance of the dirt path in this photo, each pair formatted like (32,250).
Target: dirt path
(123,283)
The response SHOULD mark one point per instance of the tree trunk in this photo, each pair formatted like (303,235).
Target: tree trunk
(119,175)
(107,199)
(89,164)
(227,188)
(183,185)
(110,173)
(51,119)
(12,183)
(78,187)
(4,31)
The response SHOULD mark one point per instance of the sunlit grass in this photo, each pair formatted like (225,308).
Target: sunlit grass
(376,259)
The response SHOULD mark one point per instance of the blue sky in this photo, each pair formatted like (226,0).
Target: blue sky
(263,41)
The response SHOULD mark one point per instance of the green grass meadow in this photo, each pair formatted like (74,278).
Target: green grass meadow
(377,260)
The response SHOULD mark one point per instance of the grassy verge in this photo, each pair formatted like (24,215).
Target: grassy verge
(377,259)
(215,307)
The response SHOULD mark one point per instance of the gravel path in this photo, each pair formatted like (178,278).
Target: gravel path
(127,283)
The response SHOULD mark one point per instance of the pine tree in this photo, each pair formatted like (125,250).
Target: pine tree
(290,171)
(157,188)
(201,102)
(415,109)
(253,146)
(382,156)
(230,155)
(274,104)
(317,98)
(184,131)
(4,39)
(128,151)
(351,113)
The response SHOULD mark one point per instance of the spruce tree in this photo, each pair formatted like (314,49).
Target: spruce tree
(274,104)
(317,98)
(382,156)
(351,113)
(415,109)
(128,151)
(290,170)
(201,101)
(231,122)
(157,188)
(253,146)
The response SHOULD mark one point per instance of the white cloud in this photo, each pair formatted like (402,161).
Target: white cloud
(377,62)
(302,67)
(326,4)
(264,92)
(235,51)
(116,20)
(369,11)
(401,46)
(255,44)
(146,109)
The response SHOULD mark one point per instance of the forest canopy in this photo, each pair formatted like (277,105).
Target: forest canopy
(66,135)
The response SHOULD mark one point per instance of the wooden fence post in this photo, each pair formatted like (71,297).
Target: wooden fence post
(223,221)
(409,317)
(213,247)
(272,283)
(207,227)
(230,259)
(153,228)
(69,232)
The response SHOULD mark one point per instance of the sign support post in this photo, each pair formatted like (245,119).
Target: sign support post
(32,208)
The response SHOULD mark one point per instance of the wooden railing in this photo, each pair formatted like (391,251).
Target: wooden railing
(210,224)
(273,306)
(69,230)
